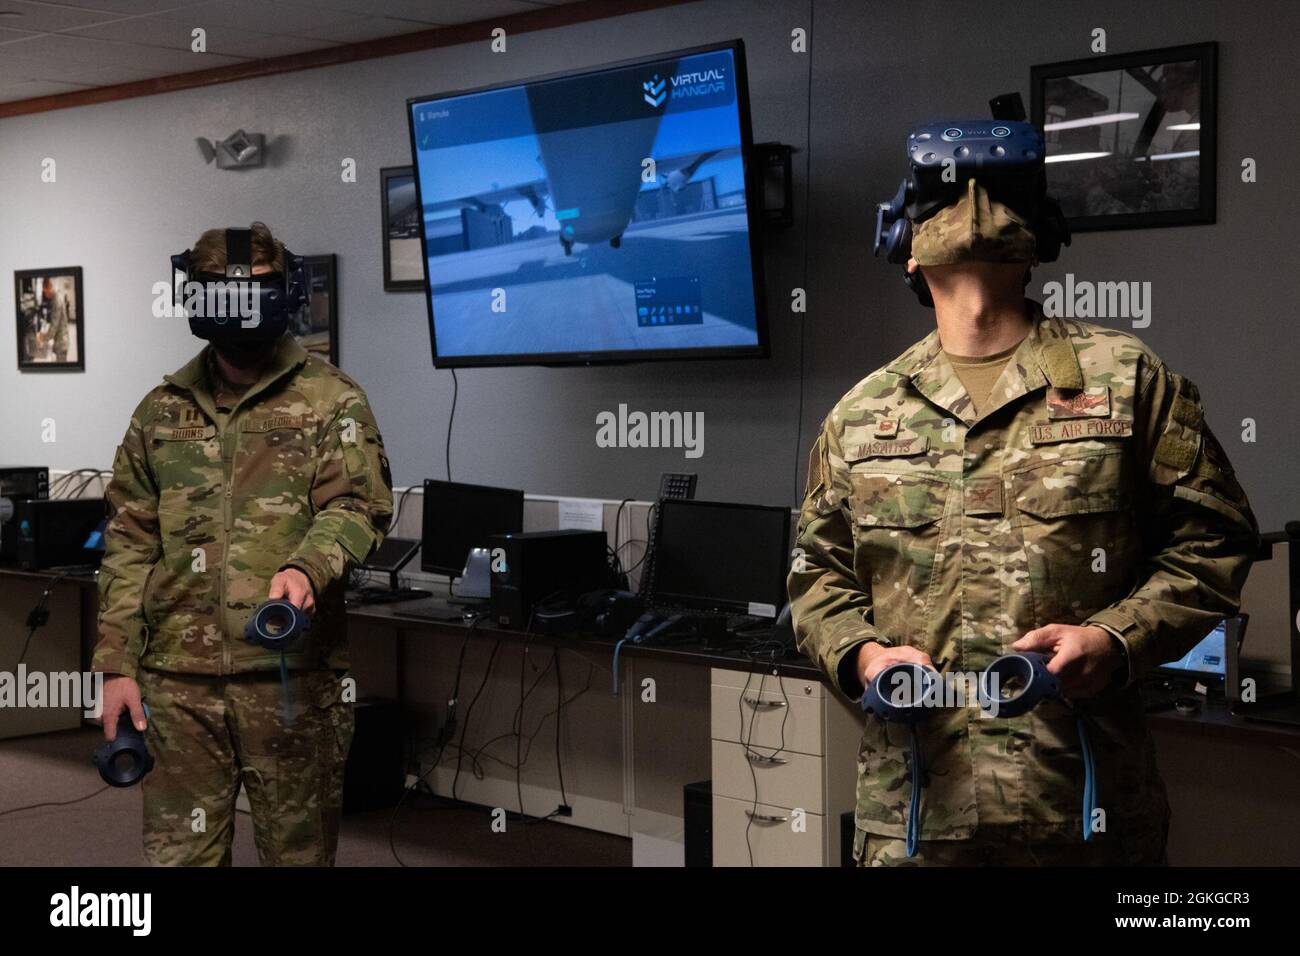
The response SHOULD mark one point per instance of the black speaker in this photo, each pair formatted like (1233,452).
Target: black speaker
(697,812)
(374,775)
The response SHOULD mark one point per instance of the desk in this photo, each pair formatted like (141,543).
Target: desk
(1231,781)
(1231,788)
(625,758)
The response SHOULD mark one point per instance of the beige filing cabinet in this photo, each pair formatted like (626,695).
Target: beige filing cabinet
(784,769)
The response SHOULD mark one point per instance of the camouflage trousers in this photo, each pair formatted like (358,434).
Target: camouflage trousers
(997,846)
(209,735)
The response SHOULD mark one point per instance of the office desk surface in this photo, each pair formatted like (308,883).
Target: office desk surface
(399,615)
(1214,719)
(78,577)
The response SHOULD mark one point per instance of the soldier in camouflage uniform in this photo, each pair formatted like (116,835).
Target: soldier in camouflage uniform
(224,494)
(1080,506)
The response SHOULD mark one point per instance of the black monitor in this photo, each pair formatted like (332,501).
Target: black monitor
(460,517)
(715,555)
(611,204)
(1211,659)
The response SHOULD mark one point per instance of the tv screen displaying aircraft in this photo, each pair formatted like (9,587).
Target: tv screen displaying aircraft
(598,216)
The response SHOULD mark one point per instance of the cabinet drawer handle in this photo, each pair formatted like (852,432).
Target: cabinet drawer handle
(756,702)
(765,818)
(764,758)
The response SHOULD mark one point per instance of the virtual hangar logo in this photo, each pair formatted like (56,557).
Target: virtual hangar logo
(656,91)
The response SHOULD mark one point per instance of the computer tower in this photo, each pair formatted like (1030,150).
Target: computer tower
(697,815)
(18,484)
(374,775)
(535,567)
(53,532)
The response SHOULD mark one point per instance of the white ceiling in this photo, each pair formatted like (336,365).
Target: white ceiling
(60,46)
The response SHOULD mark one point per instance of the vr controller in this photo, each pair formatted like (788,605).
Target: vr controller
(124,760)
(1005,156)
(1010,686)
(274,296)
(276,625)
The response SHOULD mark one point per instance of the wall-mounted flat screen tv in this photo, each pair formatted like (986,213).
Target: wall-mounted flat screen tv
(595,216)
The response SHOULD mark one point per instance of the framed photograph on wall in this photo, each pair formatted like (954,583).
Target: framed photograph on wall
(316,324)
(1131,136)
(50,320)
(403,260)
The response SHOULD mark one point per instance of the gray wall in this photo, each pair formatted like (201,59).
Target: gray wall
(131,189)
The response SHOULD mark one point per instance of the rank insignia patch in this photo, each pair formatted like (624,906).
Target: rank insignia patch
(1092,402)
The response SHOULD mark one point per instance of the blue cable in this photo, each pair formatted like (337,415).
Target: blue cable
(1089,781)
(914,813)
(618,647)
(287,704)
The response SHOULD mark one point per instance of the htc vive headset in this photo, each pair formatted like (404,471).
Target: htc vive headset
(1004,156)
(238,307)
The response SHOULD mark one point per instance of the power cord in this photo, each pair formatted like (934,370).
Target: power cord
(55,803)
(444,736)
(39,616)
(755,653)
(455,394)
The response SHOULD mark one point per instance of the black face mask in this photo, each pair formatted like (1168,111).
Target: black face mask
(246,355)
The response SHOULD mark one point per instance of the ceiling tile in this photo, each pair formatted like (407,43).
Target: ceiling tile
(440,12)
(262,16)
(15,36)
(364,28)
(46,16)
(227,41)
(420,11)
(467,11)
(72,49)
(126,8)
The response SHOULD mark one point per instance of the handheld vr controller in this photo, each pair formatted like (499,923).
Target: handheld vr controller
(276,625)
(124,760)
(1006,157)
(275,296)
(1010,686)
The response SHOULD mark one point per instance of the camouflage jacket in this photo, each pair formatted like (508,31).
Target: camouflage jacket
(204,515)
(1090,492)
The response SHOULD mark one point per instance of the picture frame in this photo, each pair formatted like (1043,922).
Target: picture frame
(400,205)
(316,324)
(50,319)
(1131,137)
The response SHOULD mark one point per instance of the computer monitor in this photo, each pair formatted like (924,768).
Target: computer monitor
(611,205)
(1212,657)
(458,517)
(715,555)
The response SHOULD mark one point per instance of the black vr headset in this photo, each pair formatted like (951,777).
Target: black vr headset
(237,307)
(1005,156)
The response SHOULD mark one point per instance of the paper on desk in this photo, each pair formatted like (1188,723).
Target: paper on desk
(582,514)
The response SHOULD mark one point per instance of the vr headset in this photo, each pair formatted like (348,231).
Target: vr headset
(237,307)
(1005,156)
